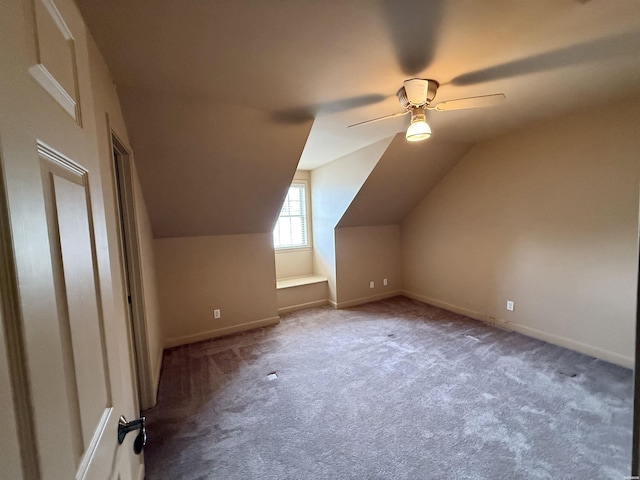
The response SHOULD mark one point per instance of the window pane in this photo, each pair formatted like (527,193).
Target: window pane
(296,231)
(285,207)
(291,228)
(295,208)
(285,231)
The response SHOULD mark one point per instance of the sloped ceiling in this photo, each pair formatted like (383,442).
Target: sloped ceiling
(201,177)
(401,178)
(217,92)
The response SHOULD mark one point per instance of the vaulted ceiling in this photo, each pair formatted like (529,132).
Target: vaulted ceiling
(223,98)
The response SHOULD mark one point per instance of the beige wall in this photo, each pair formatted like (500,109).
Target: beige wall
(334,186)
(294,263)
(234,273)
(546,217)
(365,254)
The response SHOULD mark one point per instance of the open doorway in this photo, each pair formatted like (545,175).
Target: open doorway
(132,276)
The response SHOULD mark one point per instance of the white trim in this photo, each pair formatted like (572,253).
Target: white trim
(156,377)
(612,357)
(141,471)
(220,332)
(131,265)
(303,280)
(57,18)
(280,250)
(55,156)
(44,77)
(622,360)
(362,300)
(303,306)
(447,306)
(47,81)
(85,463)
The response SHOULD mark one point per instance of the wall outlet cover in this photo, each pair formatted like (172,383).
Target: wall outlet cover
(510,305)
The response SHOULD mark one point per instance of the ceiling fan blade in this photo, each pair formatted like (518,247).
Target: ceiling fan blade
(469,102)
(393,115)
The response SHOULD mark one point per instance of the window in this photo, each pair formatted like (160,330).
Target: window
(291,228)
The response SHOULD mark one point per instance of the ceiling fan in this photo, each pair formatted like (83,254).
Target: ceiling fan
(416,96)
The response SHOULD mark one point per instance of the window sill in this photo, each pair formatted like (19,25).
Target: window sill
(292,249)
(299,281)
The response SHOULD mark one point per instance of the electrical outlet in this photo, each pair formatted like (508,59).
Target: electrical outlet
(216,313)
(384,282)
(510,305)
(372,284)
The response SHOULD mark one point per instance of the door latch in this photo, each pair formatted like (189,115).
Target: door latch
(125,427)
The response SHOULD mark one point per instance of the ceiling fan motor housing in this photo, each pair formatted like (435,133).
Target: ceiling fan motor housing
(417,92)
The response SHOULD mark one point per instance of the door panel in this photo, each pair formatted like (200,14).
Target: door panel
(82,303)
(79,314)
(72,359)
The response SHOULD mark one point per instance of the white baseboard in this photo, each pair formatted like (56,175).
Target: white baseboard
(622,360)
(360,301)
(447,306)
(302,306)
(612,357)
(220,332)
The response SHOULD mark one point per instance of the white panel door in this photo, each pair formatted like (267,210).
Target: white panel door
(69,362)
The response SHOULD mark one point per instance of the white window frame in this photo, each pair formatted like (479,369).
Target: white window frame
(307,220)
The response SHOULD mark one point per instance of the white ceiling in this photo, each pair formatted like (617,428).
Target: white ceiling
(334,63)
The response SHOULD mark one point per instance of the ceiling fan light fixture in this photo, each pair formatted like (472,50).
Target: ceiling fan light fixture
(419,129)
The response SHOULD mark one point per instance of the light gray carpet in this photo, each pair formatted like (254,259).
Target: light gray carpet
(390,390)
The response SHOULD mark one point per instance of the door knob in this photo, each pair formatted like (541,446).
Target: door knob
(125,427)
